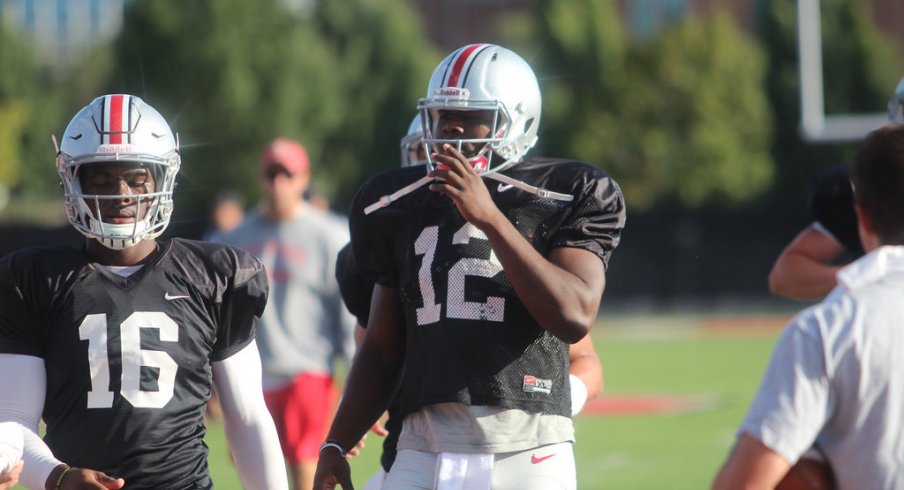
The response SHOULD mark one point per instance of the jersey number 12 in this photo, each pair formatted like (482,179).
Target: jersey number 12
(493,309)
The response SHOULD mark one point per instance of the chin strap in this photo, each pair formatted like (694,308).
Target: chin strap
(505,179)
(389,198)
(539,192)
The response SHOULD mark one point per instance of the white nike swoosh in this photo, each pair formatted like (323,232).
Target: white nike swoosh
(504,187)
(170,297)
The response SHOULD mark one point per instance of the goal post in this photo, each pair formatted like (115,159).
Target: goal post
(815,125)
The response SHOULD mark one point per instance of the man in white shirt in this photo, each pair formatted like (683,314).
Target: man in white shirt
(835,379)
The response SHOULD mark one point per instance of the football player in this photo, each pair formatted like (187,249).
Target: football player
(116,344)
(480,289)
(413,150)
(585,371)
(806,268)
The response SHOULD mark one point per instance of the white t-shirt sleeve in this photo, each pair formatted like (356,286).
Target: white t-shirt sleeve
(249,428)
(795,399)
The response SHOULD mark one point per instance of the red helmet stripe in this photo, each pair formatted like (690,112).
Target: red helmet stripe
(459,63)
(116,118)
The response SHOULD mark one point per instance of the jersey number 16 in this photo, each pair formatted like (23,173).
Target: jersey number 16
(133,357)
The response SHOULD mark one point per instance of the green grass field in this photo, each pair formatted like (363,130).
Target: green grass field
(718,360)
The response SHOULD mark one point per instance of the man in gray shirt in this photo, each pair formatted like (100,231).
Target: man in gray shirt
(835,379)
(305,326)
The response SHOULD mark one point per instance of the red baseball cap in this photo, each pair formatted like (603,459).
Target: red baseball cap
(287,154)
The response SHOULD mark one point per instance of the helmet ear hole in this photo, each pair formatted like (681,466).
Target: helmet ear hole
(528,124)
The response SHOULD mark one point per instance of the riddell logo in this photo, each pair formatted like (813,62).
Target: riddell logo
(114,149)
(452,92)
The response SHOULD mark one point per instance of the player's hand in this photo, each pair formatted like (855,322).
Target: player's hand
(356,449)
(332,470)
(379,430)
(465,187)
(87,479)
(10,477)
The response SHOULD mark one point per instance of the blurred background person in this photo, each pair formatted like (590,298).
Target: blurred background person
(316,198)
(226,214)
(305,327)
(413,151)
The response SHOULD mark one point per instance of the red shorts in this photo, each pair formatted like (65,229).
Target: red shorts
(302,412)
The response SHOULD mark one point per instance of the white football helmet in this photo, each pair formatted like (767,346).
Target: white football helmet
(896,104)
(119,128)
(411,144)
(486,77)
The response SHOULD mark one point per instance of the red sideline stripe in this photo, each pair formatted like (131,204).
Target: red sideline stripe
(644,404)
(460,63)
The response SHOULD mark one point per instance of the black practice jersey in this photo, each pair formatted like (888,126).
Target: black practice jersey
(356,289)
(832,205)
(128,359)
(469,337)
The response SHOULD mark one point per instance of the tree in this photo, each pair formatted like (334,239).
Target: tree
(700,128)
(385,64)
(28,112)
(679,117)
(231,75)
(228,75)
(580,66)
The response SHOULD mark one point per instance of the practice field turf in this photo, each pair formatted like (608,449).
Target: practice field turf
(676,389)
